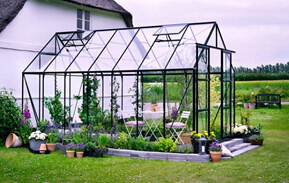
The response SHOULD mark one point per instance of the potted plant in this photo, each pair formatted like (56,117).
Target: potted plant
(102,143)
(51,141)
(256,139)
(252,101)
(70,150)
(245,101)
(215,151)
(79,148)
(36,139)
(196,136)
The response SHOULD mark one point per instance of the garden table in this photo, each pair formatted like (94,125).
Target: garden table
(153,116)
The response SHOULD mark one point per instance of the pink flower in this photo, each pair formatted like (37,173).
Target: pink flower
(251,127)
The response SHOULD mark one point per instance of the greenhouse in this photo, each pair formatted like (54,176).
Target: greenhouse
(151,81)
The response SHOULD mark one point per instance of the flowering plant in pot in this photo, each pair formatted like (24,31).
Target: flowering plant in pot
(70,150)
(210,137)
(215,151)
(52,138)
(36,139)
(79,148)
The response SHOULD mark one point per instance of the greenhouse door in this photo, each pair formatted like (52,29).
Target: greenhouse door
(202,91)
(226,94)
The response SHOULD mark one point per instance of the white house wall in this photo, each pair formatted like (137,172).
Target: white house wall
(34,25)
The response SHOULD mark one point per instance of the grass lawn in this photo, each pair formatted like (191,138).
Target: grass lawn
(253,86)
(269,163)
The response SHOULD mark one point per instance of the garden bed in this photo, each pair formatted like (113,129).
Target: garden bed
(159,155)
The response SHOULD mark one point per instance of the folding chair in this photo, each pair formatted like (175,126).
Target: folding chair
(129,125)
(179,125)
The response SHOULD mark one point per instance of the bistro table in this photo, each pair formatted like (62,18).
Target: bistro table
(153,126)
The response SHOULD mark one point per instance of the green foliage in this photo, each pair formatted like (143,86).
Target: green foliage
(102,141)
(10,114)
(41,125)
(268,163)
(77,138)
(121,142)
(90,146)
(52,138)
(154,92)
(245,116)
(256,77)
(56,109)
(115,106)
(91,105)
(165,145)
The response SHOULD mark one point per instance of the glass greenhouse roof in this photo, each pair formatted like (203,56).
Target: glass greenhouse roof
(126,49)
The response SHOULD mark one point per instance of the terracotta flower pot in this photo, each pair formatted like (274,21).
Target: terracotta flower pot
(13,141)
(215,156)
(51,146)
(186,137)
(70,153)
(42,148)
(79,154)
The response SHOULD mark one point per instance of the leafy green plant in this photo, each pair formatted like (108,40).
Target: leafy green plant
(42,124)
(56,109)
(165,145)
(76,138)
(91,104)
(102,141)
(90,146)
(10,114)
(52,138)
(245,117)
(122,140)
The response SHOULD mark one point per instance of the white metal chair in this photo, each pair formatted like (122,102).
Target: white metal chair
(129,125)
(179,125)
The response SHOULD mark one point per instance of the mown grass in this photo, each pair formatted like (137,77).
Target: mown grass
(268,163)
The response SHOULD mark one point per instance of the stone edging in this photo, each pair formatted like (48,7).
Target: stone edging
(159,155)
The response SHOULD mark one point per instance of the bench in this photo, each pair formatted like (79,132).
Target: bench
(268,99)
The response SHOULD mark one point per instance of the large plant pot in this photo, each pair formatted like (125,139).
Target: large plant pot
(13,141)
(195,143)
(95,152)
(252,105)
(70,153)
(79,154)
(51,146)
(154,107)
(260,142)
(215,156)
(35,144)
(186,137)
(246,105)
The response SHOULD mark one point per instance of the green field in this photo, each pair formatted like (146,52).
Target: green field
(268,163)
(278,86)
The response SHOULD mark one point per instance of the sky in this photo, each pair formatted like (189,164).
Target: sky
(258,30)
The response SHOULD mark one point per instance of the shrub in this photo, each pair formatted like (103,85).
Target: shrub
(102,141)
(10,114)
(165,145)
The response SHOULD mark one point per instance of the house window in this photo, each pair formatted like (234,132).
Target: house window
(83,20)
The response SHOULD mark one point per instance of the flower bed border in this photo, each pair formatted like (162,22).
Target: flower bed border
(158,155)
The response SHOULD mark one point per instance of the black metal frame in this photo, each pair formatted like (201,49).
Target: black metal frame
(72,38)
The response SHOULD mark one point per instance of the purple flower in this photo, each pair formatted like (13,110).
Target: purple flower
(26,114)
(21,122)
(174,113)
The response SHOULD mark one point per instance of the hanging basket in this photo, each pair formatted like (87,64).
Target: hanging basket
(13,141)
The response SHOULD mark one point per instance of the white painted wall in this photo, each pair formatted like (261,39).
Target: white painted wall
(34,25)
